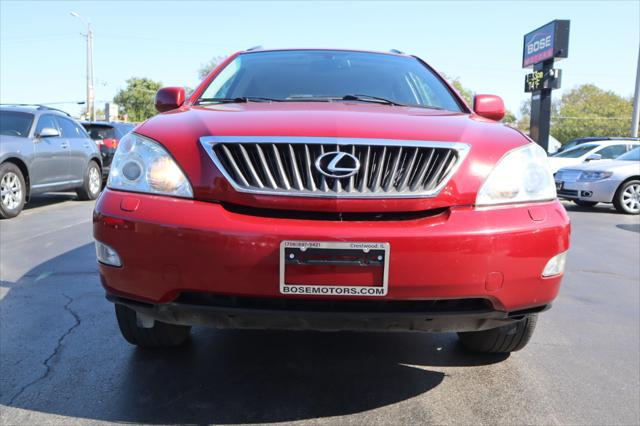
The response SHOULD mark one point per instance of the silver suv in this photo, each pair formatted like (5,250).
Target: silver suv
(42,150)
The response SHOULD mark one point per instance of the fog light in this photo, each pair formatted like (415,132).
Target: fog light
(555,265)
(107,255)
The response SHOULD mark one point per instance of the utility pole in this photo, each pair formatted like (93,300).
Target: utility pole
(91,110)
(636,101)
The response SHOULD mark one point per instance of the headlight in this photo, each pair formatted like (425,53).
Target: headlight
(522,175)
(142,165)
(593,176)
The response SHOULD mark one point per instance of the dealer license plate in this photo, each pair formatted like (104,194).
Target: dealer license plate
(320,268)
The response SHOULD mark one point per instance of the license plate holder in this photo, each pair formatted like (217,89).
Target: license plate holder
(322,268)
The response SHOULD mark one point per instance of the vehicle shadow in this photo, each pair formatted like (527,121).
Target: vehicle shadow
(599,208)
(219,376)
(633,227)
(41,200)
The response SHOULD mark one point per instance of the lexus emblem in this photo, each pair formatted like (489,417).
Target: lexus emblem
(338,164)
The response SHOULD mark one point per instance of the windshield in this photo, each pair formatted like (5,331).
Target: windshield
(330,75)
(13,123)
(633,155)
(575,152)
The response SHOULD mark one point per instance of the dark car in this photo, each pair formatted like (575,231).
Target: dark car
(107,135)
(579,141)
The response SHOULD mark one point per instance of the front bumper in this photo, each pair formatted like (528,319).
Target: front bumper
(171,246)
(247,313)
(601,191)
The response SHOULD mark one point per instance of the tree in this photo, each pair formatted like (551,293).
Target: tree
(205,69)
(590,111)
(137,100)
(467,94)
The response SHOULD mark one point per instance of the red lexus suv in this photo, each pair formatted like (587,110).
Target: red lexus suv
(329,190)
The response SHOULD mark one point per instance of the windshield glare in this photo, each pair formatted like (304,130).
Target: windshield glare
(575,152)
(633,155)
(324,75)
(13,123)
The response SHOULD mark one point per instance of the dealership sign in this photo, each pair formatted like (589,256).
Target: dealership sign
(547,42)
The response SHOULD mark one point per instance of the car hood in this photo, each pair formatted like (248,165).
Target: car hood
(606,165)
(180,130)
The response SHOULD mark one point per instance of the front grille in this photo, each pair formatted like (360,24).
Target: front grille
(335,216)
(568,192)
(287,165)
(567,175)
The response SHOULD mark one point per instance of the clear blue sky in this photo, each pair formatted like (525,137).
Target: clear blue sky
(42,56)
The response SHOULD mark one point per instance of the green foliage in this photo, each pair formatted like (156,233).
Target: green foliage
(137,100)
(509,118)
(205,69)
(590,111)
(465,92)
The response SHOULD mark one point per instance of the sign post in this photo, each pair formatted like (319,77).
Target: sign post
(541,47)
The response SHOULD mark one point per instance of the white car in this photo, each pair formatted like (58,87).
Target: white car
(614,181)
(554,145)
(590,152)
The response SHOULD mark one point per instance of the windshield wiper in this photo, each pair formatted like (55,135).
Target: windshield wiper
(238,100)
(369,98)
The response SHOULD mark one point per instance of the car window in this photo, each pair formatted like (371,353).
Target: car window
(633,155)
(101,132)
(310,75)
(611,152)
(46,121)
(123,129)
(575,152)
(14,123)
(69,129)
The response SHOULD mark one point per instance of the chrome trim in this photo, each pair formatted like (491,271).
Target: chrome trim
(64,182)
(208,142)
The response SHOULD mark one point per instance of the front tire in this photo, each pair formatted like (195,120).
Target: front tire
(582,203)
(160,335)
(92,184)
(13,190)
(627,198)
(501,340)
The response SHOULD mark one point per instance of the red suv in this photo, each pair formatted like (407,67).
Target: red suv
(329,190)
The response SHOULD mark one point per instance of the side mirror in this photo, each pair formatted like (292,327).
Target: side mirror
(489,106)
(593,157)
(169,98)
(48,132)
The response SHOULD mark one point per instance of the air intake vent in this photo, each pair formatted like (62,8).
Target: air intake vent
(335,167)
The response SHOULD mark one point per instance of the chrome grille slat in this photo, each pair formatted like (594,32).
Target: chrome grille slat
(249,164)
(287,165)
(234,165)
(294,167)
(265,167)
(280,168)
(424,167)
(311,183)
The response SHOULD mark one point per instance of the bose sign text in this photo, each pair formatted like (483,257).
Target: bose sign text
(547,42)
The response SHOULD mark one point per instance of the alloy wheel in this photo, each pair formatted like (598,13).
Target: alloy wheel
(94,180)
(631,198)
(10,191)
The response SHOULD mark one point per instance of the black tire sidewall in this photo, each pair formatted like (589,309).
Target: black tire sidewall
(617,200)
(4,169)
(84,193)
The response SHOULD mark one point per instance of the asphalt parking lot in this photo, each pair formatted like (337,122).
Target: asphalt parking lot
(62,359)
